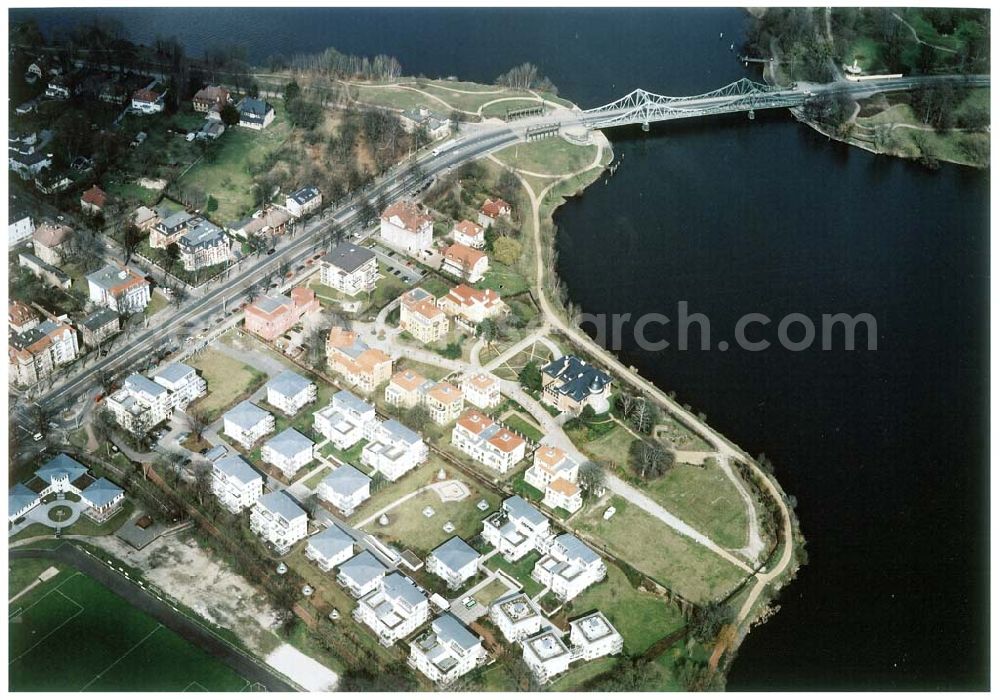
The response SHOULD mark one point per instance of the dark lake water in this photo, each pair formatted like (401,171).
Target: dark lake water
(886,451)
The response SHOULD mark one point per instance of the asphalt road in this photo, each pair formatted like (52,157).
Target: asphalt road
(239,661)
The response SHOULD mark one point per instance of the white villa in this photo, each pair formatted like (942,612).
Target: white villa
(279,520)
(119,288)
(329,548)
(404,225)
(482,390)
(516,528)
(289,392)
(569,567)
(289,451)
(236,484)
(406,388)
(393,449)
(446,651)
(516,616)
(345,420)
(487,441)
(592,636)
(361,574)
(394,609)
(555,473)
(246,423)
(546,655)
(60,475)
(468,233)
(345,488)
(454,561)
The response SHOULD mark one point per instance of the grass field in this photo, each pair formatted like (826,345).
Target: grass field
(227,379)
(313,481)
(226,176)
(499,109)
(641,618)
(72,634)
(529,430)
(504,280)
(611,447)
(521,570)
(705,499)
(552,156)
(650,546)
(408,525)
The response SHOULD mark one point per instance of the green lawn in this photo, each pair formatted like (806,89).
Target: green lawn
(409,527)
(505,280)
(131,192)
(23,572)
(551,156)
(472,102)
(519,424)
(653,548)
(228,381)
(868,53)
(499,109)
(641,618)
(520,570)
(705,499)
(157,302)
(611,447)
(226,176)
(313,481)
(72,634)
(580,673)
(395,98)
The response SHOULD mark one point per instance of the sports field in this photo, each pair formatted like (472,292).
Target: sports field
(73,634)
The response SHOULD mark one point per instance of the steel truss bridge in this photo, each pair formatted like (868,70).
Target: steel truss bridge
(744,95)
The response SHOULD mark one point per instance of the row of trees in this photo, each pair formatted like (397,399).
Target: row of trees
(331,62)
(526,77)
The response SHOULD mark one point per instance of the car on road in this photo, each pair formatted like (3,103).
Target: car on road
(469,602)
(37,437)
(270,251)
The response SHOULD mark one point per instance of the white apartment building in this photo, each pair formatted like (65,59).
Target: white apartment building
(546,655)
(472,306)
(393,449)
(454,561)
(394,609)
(407,389)
(279,520)
(516,529)
(482,390)
(468,233)
(350,269)
(345,420)
(592,637)
(446,651)
(289,392)
(37,351)
(361,574)
(140,404)
(556,474)
(404,225)
(487,441)
(329,548)
(420,316)
(289,451)
(247,424)
(236,484)
(345,488)
(303,201)
(183,382)
(569,567)
(516,616)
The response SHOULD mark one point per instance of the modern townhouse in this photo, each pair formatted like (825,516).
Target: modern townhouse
(393,449)
(592,637)
(183,382)
(556,474)
(482,390)
(446,651)
(359,365)
(487,441)
(569,567)
(516,529)
(289,451)
(361,574)
(350,269)
(345,420)
(329,548)
(420,316)
(345,488)
(516,616)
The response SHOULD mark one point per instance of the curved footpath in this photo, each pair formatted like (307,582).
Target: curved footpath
(166,615)
(725,448)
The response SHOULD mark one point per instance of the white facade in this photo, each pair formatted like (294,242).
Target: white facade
(183,382)
(349,269)
(289,451)
(278,520)
(290,392)
(556,474)
(394,609)
(592,637)
(140,404)
(119,289)
(346,420)
(345,489)
(516,529)
(403,225)
(236,484)
(447,651)
(517,616)
(569,567)
(361,574)
(488,442)
(19,229)
(546,655)
(454,561)
(247,424)
(470,234)
(330,548)
(393,449)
